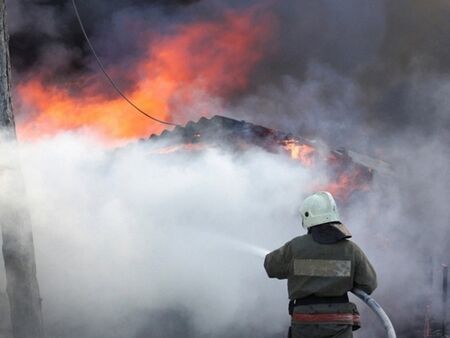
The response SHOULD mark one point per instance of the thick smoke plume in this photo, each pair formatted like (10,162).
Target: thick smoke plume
(373,76)
(130,244)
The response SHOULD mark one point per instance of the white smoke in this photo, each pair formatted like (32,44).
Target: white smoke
(127,240)
(123,235)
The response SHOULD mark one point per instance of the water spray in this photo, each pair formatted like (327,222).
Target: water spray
(370,302)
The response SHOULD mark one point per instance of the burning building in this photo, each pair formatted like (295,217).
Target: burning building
(348,171)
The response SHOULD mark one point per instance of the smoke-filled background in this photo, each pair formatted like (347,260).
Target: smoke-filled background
(132,246)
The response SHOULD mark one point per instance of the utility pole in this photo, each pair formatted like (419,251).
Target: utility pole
(18,249)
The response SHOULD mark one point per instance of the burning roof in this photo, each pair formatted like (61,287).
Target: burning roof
(349,172)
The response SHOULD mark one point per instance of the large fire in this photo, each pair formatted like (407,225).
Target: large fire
(212,57)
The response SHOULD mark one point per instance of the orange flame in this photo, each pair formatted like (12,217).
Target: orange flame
(301,152)
(345,178)
(215,58)
(347,183)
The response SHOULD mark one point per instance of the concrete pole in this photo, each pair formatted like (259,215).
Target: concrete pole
(18,248)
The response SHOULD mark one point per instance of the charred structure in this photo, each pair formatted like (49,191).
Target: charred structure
(349,172)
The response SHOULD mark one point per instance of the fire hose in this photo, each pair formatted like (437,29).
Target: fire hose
(375,307)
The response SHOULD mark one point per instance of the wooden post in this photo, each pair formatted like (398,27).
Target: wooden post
(18,248)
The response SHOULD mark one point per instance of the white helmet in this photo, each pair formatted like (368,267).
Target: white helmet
(319,208)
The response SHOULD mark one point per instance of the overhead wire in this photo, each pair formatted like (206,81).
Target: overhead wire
(111,81)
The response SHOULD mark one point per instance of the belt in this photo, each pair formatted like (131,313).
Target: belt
(340,318)
(316,300)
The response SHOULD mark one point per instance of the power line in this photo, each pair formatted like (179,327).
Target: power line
(102,68)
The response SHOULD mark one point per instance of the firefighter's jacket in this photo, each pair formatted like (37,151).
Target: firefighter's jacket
(322,270)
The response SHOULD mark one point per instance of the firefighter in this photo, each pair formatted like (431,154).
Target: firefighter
(321,267)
